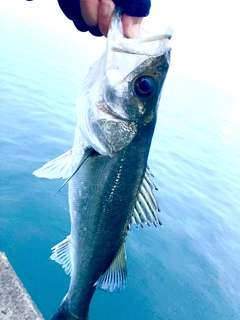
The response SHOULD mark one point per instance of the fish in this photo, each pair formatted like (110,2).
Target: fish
(110,186)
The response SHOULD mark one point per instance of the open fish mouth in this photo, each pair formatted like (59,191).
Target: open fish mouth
(123,54)
(150,46)
(149,43)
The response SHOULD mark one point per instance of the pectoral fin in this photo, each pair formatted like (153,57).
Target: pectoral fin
(62,167)
(146,207)
(115,277)
(56,168)
(66,165)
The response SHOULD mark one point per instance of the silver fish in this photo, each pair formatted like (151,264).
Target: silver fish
(110,185)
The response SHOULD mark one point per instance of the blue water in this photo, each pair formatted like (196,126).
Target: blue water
(189,268)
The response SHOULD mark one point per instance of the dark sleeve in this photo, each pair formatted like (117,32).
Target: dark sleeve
(71,8)
(135,8)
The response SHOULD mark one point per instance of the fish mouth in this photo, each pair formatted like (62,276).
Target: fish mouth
(155,45)
(149,43)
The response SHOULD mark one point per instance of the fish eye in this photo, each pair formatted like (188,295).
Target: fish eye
(144,86)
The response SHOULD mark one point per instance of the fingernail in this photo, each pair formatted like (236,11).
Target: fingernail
(104,8)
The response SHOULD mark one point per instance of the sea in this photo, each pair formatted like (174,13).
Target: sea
(187,269)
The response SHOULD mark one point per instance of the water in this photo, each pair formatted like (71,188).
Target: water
(189,269)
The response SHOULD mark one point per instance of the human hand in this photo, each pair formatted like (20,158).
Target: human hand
(95,16)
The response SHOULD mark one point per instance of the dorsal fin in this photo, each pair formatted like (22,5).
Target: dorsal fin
(146,207)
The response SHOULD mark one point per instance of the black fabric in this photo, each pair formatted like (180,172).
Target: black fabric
(135,8)
(71,8)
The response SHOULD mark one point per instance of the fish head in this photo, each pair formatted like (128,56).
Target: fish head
(122,90)
(135,98)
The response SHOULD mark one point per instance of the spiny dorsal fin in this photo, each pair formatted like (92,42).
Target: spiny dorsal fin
(115,277)
(146,208)
(61,254)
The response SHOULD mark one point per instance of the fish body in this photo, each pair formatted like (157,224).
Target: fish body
(101,212)
(109,181)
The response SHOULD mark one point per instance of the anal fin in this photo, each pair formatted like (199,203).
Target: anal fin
(115,277)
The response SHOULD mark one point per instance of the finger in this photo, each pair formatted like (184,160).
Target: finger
(131,26)
(89,10)
(105,13)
